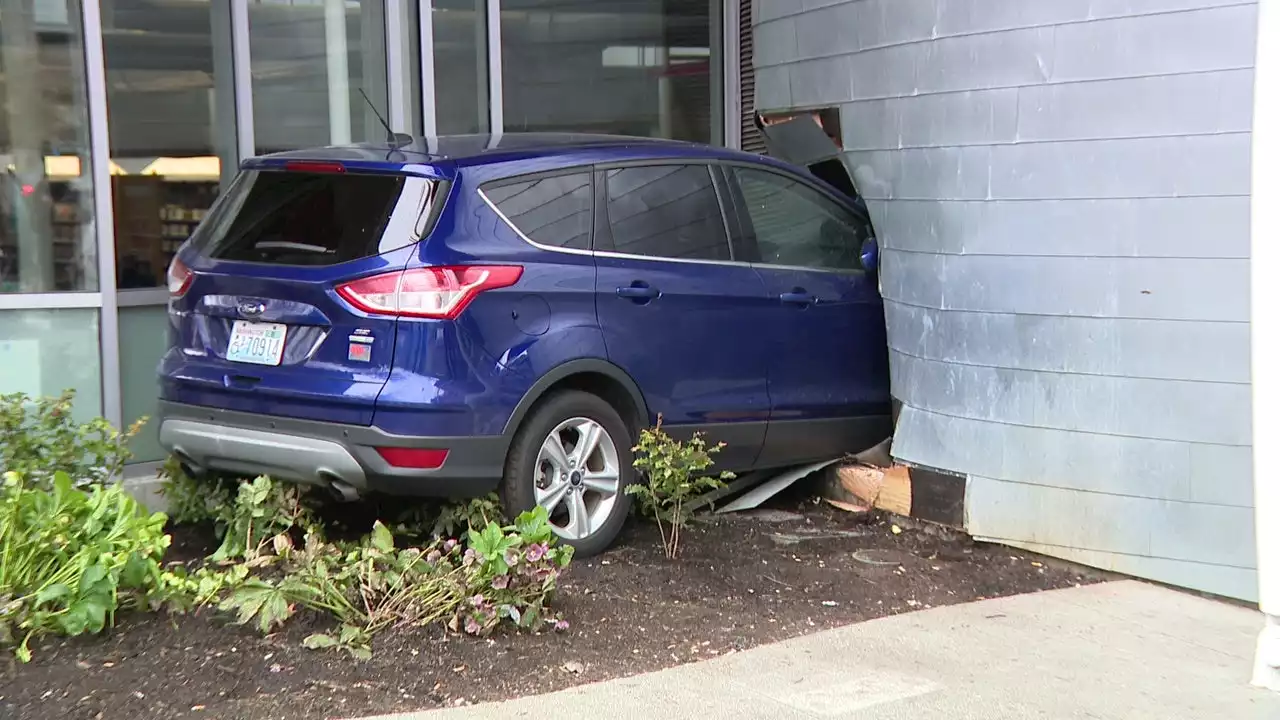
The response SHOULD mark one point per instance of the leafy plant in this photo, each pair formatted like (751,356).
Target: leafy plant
(261,510)
(39,438)
(70,558)
(507,575)
(460,516)
(675,472)
(191,501)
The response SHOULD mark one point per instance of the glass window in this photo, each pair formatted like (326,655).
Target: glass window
(460,54)
(310,60)
(666,211)
(165,142)
(798,226)
(293,218)
(636,68)
(47,240)
(553,211)
(43,352)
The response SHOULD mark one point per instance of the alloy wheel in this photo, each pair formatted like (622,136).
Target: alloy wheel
(577,477)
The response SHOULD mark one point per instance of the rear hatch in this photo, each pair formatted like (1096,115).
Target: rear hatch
(257,309)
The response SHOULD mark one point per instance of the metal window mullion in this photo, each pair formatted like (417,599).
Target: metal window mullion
(731,71)
(427,58)
(493,36)
(398,92)
(243,79)
(103,213)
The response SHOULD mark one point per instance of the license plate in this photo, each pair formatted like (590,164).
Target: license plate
(257,343)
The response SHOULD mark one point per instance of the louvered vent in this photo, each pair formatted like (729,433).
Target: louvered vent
(751,138)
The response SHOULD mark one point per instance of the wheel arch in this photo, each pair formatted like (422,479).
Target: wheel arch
(598,377)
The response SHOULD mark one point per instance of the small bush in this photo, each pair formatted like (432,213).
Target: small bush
(70,558)
(454,518)
(39,438)
(675,472)
(191,501)
(508,574)
(262,509)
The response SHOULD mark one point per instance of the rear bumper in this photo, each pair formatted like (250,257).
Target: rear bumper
(317,453)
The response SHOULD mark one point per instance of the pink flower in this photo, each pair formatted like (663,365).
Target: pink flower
(471,626)
(561,625)
(500,582)
(450,544)
(536,552)
(477,601)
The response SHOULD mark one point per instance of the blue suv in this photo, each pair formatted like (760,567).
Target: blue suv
(457,315)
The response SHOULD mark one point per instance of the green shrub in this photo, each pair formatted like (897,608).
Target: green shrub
(70,558)
(191,501)
(261,510)
(507,575)
(674,472)
(451,519)
(39,438)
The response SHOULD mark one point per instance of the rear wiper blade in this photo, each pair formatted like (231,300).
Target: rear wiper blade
(285,245)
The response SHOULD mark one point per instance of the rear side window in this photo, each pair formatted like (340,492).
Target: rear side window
(666,211)
(554,211)
(291,218)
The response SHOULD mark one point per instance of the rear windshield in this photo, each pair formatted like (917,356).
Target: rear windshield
(291,218)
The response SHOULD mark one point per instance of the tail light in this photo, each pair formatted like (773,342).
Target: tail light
(179,278)
(441,293)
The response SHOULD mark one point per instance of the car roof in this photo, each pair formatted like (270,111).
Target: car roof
(447,152)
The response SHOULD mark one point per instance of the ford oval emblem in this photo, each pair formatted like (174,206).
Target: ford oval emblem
(251,309)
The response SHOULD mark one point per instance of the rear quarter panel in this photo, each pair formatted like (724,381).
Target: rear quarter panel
(475,370)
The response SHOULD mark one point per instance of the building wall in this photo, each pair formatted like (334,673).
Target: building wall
(1061,188)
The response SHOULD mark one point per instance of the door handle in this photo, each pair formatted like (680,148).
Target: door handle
(799,296)
(639,291)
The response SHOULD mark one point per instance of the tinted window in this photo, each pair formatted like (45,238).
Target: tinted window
(799,226)
(666,211)
(553,211)
(288,218)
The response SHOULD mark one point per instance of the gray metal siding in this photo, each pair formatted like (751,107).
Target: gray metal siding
(1061,188)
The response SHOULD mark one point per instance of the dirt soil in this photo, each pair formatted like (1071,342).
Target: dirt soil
(742,581)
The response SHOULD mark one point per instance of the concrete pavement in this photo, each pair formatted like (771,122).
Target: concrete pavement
(1123,650)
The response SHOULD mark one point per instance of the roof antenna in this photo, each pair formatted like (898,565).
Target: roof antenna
(397,140)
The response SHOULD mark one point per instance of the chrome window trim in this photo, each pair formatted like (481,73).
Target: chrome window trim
(649,258)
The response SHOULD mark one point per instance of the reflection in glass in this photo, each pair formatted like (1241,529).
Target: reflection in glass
(636,68)
(164,147)
(46,188)
(458,34)
(309,61)
(43,352)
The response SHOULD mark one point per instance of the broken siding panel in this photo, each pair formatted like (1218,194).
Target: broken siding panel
(1061,192)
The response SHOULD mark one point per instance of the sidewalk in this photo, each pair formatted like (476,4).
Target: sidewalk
(1123,650)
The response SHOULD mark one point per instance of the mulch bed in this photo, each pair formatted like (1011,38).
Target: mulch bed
(743,580)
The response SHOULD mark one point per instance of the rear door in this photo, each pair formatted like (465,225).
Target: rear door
(680,313)
(260,326)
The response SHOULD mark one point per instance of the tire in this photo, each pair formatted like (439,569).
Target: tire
(582,513)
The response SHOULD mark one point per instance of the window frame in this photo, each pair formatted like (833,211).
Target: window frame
(593,221)
(748,227)
(604,246)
